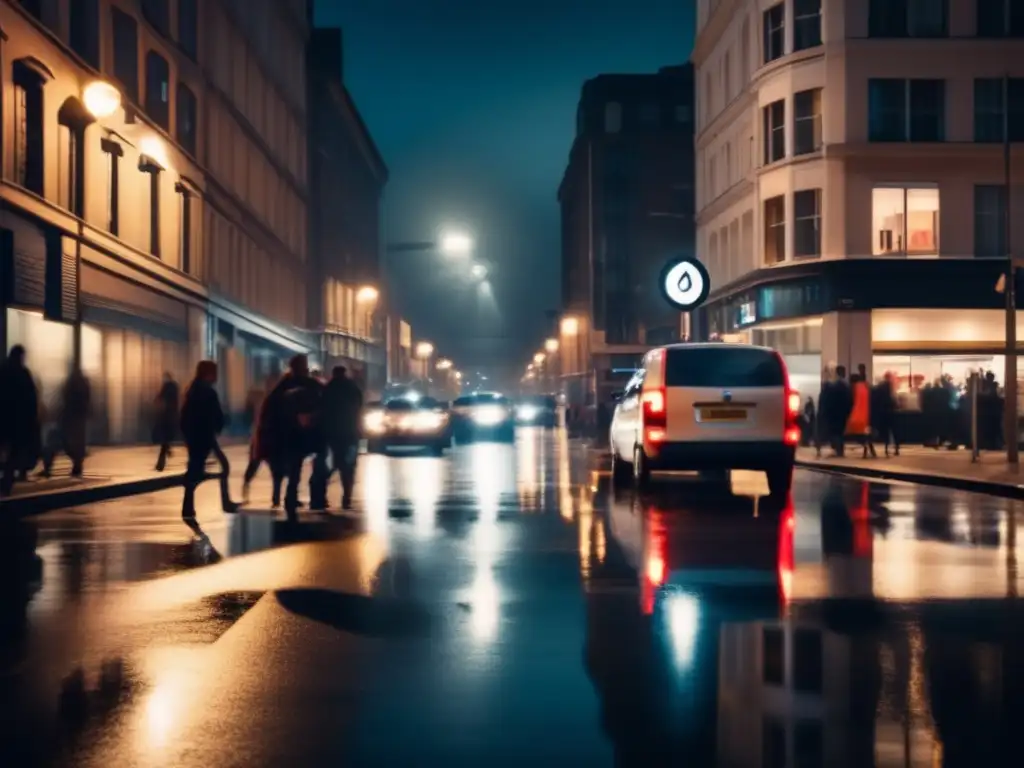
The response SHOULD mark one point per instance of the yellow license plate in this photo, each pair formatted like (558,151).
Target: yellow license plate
(723,414)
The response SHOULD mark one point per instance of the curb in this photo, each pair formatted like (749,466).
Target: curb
(47,501)
(991,488)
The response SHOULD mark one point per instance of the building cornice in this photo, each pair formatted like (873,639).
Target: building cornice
(713,30)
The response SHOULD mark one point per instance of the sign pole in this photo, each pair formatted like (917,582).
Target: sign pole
(1010,376)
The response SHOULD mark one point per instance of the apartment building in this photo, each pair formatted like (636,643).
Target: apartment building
(852,181)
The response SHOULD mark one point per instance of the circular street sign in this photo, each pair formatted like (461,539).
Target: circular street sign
(685,284)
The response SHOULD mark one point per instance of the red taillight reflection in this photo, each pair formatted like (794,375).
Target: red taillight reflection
(787,526)
(860,516)
(655,568)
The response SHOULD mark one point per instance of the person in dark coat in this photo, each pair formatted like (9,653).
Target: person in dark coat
(74,409)
(165,427)
(261,445)
(883,412)
(202,420)
(292,412)
(342,417)
(839,403)
(19,418)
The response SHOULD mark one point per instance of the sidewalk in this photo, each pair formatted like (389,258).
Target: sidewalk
(926,466)
(111,472)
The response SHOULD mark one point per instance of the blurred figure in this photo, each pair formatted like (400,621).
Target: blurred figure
(834,406)
(342,411)
(292,413)
(19,418)
(883,412)
(261,445)
(73,410)
(202,420)
(165,427)
(809,425)
(858,424)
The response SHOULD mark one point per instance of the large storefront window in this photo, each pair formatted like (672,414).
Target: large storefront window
(914,372)
(49,348)
(905,220)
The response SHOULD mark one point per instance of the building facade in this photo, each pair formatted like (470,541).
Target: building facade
(153,194)
(852,180)
(627,206)
(347,177)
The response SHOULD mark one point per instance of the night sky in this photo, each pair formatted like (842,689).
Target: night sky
(473,106)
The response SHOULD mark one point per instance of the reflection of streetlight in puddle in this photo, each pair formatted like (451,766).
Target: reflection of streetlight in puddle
(376,492)
(484,604)
(423,480)
(682,619)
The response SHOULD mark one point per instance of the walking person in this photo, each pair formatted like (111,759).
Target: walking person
(858,424)
(342,413)
(202,420)
(165,425)
(261,445)
(883,413)
(73,410)
(19,418)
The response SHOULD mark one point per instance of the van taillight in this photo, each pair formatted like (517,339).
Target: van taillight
(655,414)
(791,434)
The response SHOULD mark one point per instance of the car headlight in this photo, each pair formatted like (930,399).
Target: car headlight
(489,415)
(528,412)
(373,422)
(428,421)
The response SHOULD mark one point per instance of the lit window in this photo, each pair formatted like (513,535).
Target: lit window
(906,220)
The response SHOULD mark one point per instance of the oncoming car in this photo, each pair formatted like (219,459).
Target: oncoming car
(707,407)
(483,416)
(537,411)
(407,423)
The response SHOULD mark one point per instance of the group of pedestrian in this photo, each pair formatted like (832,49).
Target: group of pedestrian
(23,443)
(854,411)
(298,417)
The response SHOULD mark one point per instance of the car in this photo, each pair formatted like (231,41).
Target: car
(709,407)
(408,423)
(483,416)
(537,411)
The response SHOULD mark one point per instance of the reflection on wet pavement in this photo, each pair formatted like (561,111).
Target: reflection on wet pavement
(504,604)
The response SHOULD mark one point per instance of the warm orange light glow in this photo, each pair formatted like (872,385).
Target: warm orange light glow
(654,401)
(538,358)
(153,147)
(655,435)
(570,326)
(793,404)
(444,364)
(367,294)
(551,346)
(101,98)
(424,349)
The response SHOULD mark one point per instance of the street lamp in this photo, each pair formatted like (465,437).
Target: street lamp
(424,350)
(570,326)
(538,359)
(455,243)
(479,272)
(444,364)
(551,346)
(101,98)
(367,294)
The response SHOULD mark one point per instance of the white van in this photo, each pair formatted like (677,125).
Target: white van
(707,407)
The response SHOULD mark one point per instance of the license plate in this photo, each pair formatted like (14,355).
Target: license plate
(723,414)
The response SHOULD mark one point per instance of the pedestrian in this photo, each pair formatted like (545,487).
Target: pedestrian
(342,416)
(808,425)
(858,423)
(261,445)
(202,420)
(883,412)
(73,410)
(292,412)
(19,418)
(165,425)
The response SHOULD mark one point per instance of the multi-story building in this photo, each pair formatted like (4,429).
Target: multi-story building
(852,179)
(347,177)
(627,200)
(153,194)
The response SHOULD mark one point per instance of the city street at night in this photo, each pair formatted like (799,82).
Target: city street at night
(502,605)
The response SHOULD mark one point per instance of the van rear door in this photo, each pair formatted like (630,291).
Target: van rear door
(724,393)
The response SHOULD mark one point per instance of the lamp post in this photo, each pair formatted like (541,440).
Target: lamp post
(1010,375)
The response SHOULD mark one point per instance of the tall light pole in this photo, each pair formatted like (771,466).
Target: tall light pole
(1010,375)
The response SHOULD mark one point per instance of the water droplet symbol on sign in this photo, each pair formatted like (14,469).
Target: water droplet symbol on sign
(685,283)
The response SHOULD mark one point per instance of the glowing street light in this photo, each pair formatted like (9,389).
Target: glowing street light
(479,272)
(551,346)
(424,349)
(444,364)
(538,358)
(570,326)
(367,294)
(458,375)
(101,98)
(455,243)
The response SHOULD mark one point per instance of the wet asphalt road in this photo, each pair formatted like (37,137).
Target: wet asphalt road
(502,606)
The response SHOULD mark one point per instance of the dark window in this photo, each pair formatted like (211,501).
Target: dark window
(774,134)
(185,227)
(649,114)
(1000,18)
(724,366)
(773,641)
(28,129)
(70,167)
(908,18)
(990,220)
(806,24)
(146,166)
(806,121)
(84,30)
(774,230)
(186,118)
(906,110)
(158,90)
(157,13)
(990,97)
(808,744)
(808,661)
(188,27)
(773,743)
(126,52)
(35,7)
(807,222)
(774,22)
(113,152)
